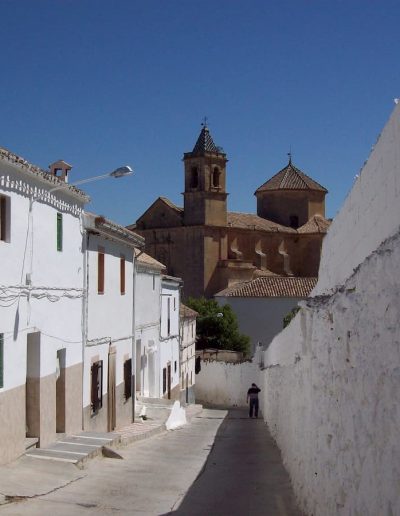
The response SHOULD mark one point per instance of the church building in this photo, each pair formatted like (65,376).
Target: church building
(212,248)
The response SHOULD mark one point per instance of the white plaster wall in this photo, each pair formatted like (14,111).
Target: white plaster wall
(169,342)
(148,288)
(188,352)
(225,384)
(147,321)
(54,304)
(370,213)
(332,378)
(110,315)
(260,318)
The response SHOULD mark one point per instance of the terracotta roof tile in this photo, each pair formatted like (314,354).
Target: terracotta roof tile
(42,174)
(271,286)
(147,260)
(291,178)
(317,224)
(172,205)
(251,221)
(187,313)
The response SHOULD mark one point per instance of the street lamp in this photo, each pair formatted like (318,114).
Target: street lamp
(124,171)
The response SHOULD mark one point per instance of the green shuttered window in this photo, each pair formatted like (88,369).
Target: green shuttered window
(59,231)
(1,360)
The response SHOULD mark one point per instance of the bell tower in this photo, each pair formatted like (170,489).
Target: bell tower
(205,183)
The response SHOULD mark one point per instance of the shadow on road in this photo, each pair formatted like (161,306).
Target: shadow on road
(243,474)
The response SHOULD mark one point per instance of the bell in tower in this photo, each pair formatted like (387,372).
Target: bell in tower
(205,183)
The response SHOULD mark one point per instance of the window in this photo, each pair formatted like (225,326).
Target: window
(100,270)
(174,303)
(169,315)
(175,366)
(1,360)
(128,378)
(154,281)
(122,274)
(164,380)
(194,178)
(215,177)
(59,231)
(4,218)
(97,386)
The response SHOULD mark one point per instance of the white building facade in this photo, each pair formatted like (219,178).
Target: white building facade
(169,338)
(187,340)
(109,324)
(148,314)
(41,293)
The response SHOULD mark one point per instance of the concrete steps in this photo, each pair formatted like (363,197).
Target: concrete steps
(76,448)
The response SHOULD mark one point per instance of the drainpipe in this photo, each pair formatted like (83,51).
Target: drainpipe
(133,359)
(133,373)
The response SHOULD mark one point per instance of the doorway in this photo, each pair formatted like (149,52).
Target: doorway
(169,380)
(60,391)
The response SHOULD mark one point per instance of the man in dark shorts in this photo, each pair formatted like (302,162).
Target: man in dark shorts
(252,395)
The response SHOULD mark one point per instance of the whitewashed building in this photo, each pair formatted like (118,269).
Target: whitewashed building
(41,291)
(169,338)
(109,323)
(148,314)
(187,339)
(262,303)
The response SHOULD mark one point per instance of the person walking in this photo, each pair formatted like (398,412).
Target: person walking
(252,395)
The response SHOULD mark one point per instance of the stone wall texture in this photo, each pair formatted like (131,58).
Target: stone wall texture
(331,379)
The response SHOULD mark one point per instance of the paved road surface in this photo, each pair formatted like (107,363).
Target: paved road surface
(221,464)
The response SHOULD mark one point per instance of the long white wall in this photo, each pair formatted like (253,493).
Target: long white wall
(370,213)
(332,377)
(225,384)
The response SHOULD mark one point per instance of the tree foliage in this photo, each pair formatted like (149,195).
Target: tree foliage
(215,330)
(288,317)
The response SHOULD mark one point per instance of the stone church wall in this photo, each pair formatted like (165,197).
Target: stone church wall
(332,378)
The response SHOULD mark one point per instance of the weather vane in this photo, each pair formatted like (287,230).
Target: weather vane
(204,122)
(290,154)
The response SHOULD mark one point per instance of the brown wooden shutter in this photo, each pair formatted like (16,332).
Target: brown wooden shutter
(100,271)
(122,274)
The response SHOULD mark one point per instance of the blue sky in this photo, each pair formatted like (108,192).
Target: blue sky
(102,84)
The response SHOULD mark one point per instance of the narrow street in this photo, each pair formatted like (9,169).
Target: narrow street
(223,463)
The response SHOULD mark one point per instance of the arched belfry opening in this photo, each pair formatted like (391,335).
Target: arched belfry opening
(216,177)
(194,178)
